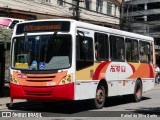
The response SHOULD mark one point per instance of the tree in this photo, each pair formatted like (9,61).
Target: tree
(5,38)
(5,35)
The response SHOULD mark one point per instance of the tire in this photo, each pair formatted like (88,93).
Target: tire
(137,96)
(100,97)
(157,79)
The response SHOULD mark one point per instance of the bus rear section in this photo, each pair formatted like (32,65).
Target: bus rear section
(112,63)
(41,67)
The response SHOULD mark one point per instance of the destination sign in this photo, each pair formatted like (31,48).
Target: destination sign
(43,26)
(28,28)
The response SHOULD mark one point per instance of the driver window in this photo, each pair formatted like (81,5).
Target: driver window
(84,58)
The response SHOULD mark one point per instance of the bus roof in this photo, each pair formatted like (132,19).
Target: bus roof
(90,26)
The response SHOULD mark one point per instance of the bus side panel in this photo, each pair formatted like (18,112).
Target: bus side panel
(142,71)
(85,89)
(126,87)
(128,73)
(148,85)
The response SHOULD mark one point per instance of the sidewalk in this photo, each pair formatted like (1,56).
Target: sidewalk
(6,99)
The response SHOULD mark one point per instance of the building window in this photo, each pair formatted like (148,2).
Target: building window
(109,8)
(116,10)
(74,3)
(48,1)
(99,6)
(88,4)
(61,2)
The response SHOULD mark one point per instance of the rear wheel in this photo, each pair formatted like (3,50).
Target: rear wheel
(100,97)
(137,96)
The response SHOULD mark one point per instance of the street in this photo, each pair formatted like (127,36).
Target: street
(114,107)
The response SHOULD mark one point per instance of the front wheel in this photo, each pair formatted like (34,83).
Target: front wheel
(100,97)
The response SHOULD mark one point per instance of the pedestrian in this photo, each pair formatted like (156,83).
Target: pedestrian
(157,74)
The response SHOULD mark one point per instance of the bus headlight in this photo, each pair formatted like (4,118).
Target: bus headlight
(14,80)
(67,79)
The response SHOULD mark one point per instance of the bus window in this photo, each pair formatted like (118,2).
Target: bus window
(101,46)
(117,48)
(132,50)
(84,58)
(144,48)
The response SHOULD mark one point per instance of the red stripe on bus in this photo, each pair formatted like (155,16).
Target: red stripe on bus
(151,72)
(133,68)
(98,70)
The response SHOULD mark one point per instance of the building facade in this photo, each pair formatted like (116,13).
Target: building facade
(143,17)
(102,12)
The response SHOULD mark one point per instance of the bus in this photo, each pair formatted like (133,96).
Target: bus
(64,59)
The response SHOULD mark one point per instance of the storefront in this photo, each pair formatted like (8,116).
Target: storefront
(2,68)
(9,14)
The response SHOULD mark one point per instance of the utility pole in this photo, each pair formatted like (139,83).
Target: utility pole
(128,18)
(77,10)
(77,17)
(125,21)
(121,15)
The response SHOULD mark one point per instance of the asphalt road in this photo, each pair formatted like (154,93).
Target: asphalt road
(119,107)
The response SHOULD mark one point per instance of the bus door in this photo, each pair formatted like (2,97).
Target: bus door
(84,64)
(84,55)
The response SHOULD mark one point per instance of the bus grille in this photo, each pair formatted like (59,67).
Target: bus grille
(40,78)
(38,91)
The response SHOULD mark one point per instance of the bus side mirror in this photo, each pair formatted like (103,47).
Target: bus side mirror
(85,46)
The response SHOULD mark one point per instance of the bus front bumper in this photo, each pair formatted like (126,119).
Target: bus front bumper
(62,92)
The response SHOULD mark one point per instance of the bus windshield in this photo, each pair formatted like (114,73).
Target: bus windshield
(42,52)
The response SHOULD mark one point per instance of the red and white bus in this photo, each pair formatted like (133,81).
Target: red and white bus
(63,59)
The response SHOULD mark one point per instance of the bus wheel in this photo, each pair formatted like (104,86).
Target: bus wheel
(138,91)
(100,97)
